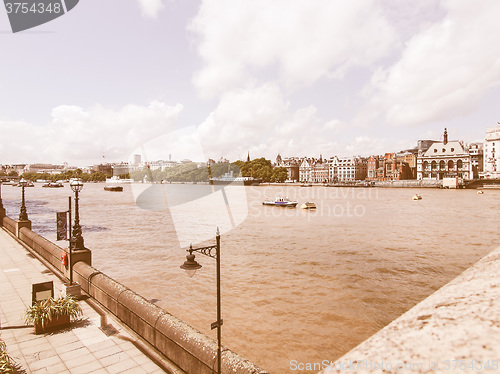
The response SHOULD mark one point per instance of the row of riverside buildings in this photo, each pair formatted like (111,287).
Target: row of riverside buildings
(430,159)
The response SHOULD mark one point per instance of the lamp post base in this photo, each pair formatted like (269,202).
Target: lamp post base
(21,224)
(74,290)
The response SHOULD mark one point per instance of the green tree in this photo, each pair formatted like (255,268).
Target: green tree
(279,175)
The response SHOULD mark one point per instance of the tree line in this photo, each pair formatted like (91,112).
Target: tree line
(66,175)
(259,168)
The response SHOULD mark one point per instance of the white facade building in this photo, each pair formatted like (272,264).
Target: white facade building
(347,169)
(491,154)
(445,160)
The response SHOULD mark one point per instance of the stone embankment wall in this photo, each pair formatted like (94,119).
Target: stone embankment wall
(188,348)
(456,329)
(428,183)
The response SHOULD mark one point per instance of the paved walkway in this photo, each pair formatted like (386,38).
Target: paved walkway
(82,348)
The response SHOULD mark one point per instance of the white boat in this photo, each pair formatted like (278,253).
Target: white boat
(53,185)
(417,197)
(228,178)
(480,192)
(281,201)
(115,179)
(308,205)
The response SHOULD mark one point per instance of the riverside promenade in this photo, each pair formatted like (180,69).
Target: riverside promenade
(88,346)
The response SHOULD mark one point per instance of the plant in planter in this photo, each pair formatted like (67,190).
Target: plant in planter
(5,364)
(51,313)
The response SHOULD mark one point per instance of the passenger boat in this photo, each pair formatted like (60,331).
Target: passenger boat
(228,178)
(113,188)
(308,205)
(28,184)
(480,192)
(281,201)
(53,185)
(417,197)
(115,179)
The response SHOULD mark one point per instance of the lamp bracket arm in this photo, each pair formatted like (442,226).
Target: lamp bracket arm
(210,251)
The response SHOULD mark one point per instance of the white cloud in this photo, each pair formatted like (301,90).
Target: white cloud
(303,40)
(260,121)
(444,71)
(81,135)
(151,8)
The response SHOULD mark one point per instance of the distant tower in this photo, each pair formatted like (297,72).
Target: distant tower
(278,159)
(445,136)
(137,159)
(248,157)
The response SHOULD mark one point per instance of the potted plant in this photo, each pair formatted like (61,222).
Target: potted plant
(52,313)
(5,364)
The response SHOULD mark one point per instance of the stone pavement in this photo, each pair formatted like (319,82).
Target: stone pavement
(82,348)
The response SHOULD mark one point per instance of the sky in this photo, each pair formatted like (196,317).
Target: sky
(224,78)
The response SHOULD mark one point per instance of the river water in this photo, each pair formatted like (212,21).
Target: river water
(297,286)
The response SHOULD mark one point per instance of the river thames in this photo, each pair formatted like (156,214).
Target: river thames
(297,286)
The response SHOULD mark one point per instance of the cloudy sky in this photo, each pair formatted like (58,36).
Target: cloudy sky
(295,77)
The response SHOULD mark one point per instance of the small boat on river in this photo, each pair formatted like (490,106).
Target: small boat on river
(281,201)
(113,188)
(53,185)
(417,197)
(308,205)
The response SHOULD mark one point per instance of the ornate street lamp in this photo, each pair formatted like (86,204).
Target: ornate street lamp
(76,241)
(190,265)
(23,215)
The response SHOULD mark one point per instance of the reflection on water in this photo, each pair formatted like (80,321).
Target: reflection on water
(296,284)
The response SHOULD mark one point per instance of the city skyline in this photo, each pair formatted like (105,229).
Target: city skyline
(287,77)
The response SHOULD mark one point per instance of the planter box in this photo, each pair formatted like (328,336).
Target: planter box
(54,324)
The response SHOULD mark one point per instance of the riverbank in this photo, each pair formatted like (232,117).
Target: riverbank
(187,349)
(92,344)
(456,329)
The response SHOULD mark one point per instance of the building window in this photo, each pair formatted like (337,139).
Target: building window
(444,150)
(459,164)
(435,150)
(453,150)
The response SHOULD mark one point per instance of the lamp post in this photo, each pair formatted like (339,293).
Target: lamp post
(76,241)
(23,215)
(190,265)
(2,209)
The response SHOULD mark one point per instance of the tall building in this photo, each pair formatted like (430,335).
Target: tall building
(491,148)
(348,169)
(137,160)
(476,158)
(292,167)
